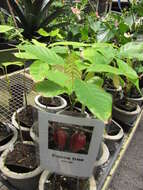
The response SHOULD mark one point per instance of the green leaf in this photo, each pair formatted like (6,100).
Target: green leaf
(43,32)
(58,77)
(5,28)
(93,56)
(96,80)
(48,88)
(105,36)
(23,55)
(37,43)
(60,49)
(99,68)
(44,54)
(39,70)
(96,99)
(68,43)
(6,64)
(132,50)
(95,26)
(128,71)
(53,33)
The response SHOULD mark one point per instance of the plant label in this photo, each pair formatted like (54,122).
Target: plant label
(69,145)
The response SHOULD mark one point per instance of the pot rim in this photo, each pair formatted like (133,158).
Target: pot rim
(13,139)
(114,137)
(63,102)
(114,90)
(47,174)
(11,174)
(105,156)
(137,111)
(33,135)
(14,122)
(135,99)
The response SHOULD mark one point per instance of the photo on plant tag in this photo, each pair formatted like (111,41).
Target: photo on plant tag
(69,138)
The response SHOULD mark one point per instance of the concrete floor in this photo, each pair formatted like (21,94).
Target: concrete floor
(129,175)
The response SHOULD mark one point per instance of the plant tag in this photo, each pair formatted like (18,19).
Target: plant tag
(69,145)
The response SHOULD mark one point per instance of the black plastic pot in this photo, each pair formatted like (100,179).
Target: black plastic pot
(126,117)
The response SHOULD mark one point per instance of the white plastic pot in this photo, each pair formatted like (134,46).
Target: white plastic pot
(116,137)
(13,139)
(51,109)
(46,174)
(15,123)
(21,181)
(104,157)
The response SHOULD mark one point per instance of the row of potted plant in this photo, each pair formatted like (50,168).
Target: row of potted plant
(79,73)
(72,79)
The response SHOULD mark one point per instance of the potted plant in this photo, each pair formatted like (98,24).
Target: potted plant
(16,162)
(64,182)
(8,136)
(20,167)
(31,16)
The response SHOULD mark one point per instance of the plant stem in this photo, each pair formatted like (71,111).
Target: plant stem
(83,109)
(11,12)
(25,94)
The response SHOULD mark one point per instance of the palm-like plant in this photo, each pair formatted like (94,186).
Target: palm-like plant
(32,15)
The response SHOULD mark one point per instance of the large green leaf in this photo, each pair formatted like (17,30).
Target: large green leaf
(96,99)
(44,54)
(99,68)
(93,56)
(128,71)
(58,77)
(23,55)
(48,88)
(5,28)
(132,50)
(39,70)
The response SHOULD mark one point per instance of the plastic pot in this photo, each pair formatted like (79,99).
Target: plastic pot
(12,140)
(115,92)
(21,181)
(118,136)
(46,174)
(25,130)
(126,117)
(139,101)
(51,109)
(104,156)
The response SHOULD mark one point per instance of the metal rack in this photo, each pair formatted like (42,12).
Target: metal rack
(12,98)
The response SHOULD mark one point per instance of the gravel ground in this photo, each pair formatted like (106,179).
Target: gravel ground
(129,175)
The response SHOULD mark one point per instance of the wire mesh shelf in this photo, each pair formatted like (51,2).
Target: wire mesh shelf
(12,94)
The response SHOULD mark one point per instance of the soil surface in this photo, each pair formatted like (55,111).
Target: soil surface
(6,134)
(75,112)
(112,129)
(22,159)
(50,102)
(27,116)
(58,182)
(125,105)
